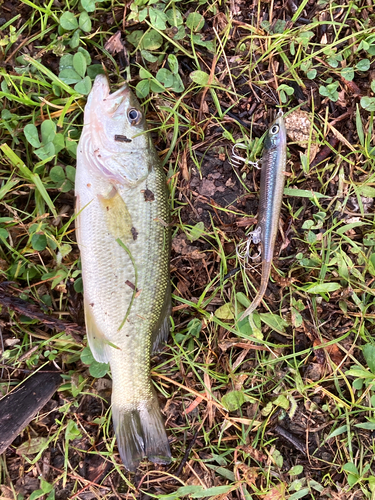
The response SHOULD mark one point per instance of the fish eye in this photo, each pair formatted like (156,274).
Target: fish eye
(274,129)
(134,116)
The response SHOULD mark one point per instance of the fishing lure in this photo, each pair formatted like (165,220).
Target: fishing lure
(271,192)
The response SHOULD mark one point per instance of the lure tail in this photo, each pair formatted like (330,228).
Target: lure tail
(266,271)
(140,433)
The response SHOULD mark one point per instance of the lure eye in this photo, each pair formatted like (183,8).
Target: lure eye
(134,116)
(274,129)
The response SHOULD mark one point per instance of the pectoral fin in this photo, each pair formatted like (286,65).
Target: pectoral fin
(116,214)
(97,340)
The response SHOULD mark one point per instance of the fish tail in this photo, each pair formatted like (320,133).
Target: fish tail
(140,433)
(266,271)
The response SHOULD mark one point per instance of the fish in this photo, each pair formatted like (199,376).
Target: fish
(124,238)
(272,181)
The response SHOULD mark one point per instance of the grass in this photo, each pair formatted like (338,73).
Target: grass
(279,407)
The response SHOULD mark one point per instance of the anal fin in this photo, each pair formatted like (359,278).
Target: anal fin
(161,330)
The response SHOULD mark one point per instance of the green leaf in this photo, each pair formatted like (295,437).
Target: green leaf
(322,288)
(200,77)
(75,39)
(157,18)
(84,86)
(369,426)
(48,131)
(148,56)
(57,174)
(32,446)
(368,351)
(46,151)
(142,89)
(174,17)
(71,147)
(86,55)
(311,74)
(173,63)
(86,356)
(347,73)
(135,37)
(85,22)
(72,431)
(66,62)
(233,400)
(350,467)
(195,232)
(69,76)
(214,491)
(363,65)
(94,70)
(194,327)
(165,76)
(359,373)
(243,300)
(337,432)
(282,402)
(59,142)
(3,233)
(66,186)
(31,134)
(359,126)
(225,312)
(88,5)
(79,64)
(299,494)
(195,21)
(274,321)
(368,103)
(39,241)
(347,227)
(68,21)
(98,370)
(330,91)
(70,173)
(296,470)
(36,494)
(152,40)
(286,88)
(303,193)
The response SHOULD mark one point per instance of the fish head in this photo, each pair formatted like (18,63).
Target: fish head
(276,135)
(118,131)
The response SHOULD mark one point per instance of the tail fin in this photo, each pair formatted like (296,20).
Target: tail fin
(140,433)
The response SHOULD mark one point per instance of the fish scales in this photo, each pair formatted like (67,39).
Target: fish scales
(124,239)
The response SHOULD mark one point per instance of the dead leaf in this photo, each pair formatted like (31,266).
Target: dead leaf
(276,493)
(180,246)
(115,45)
(257,455)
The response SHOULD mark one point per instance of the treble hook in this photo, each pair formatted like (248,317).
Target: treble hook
(237,160)
(243,257)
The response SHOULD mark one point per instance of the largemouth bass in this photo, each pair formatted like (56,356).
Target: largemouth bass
(124,239)
(272,180)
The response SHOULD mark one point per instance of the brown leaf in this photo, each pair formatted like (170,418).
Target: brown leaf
(257,455)
(276,493)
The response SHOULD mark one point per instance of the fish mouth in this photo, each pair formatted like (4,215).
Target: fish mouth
(101,83)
